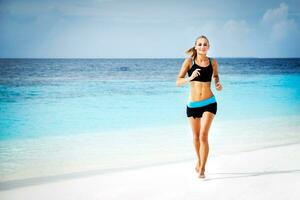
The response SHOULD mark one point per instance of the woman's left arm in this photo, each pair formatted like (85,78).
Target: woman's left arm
(216,75)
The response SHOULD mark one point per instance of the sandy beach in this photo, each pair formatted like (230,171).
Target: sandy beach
(269,173)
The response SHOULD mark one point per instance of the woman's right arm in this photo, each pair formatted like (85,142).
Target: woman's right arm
(181,80)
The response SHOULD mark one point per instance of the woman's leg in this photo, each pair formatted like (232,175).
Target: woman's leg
(206,121)
(195,124)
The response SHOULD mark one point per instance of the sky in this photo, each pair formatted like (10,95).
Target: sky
(148,29)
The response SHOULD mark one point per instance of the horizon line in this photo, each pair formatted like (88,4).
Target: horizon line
(136,57)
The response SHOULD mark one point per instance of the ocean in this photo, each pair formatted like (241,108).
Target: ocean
(60,116)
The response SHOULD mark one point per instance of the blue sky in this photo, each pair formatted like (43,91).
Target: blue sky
(148,29)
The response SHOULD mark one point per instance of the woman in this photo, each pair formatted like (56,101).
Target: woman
(202,106)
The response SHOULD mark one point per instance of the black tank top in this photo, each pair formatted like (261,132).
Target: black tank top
(205,72)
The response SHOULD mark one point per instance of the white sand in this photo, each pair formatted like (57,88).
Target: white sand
(271,173)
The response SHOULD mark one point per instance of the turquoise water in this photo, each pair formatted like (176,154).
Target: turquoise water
(260,96)
(99,113)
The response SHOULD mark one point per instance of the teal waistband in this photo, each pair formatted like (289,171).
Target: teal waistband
(196,104)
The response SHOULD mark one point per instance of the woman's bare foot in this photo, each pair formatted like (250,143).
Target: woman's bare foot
(201,174)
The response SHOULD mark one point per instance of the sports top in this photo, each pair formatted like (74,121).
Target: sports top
(205,72)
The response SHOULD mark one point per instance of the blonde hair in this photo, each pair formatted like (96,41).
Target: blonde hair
(192,51)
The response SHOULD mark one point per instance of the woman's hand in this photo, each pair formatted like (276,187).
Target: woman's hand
(218,86)
(195,74)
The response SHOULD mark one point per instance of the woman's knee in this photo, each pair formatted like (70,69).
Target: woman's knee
(203,137)
(196,136)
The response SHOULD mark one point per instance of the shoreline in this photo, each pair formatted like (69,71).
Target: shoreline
(100,152)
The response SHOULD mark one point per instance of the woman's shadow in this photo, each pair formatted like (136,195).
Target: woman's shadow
(228,175)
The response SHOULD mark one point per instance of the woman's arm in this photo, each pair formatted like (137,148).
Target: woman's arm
(216,75)
(181,80)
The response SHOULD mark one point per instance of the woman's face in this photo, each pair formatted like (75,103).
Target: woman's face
(201,46)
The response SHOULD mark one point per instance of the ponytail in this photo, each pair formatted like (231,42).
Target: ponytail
(192,52)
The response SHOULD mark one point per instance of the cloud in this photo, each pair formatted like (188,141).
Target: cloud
(276,14)
(279,23)
(283,29)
